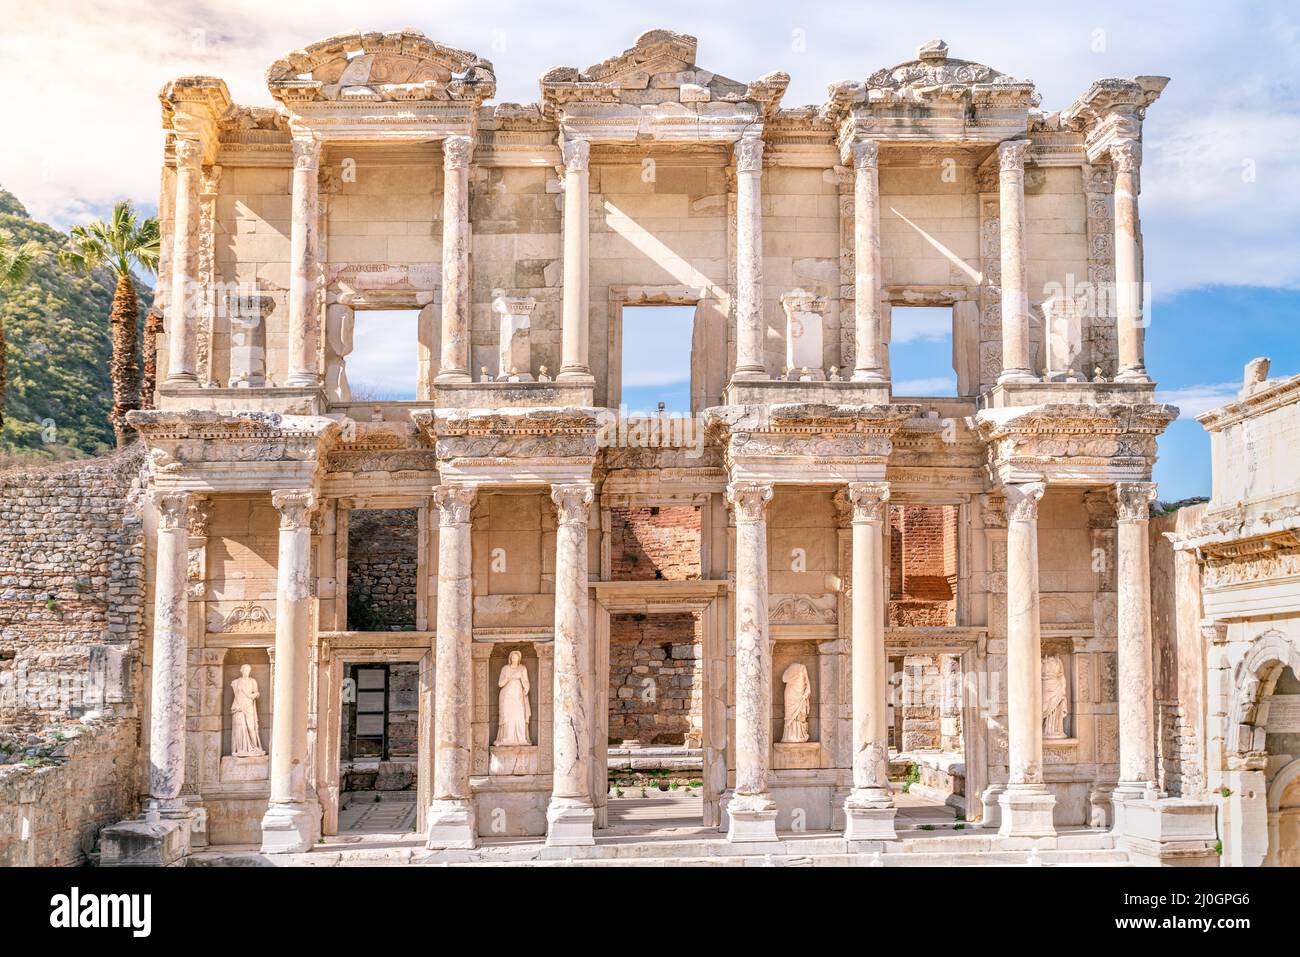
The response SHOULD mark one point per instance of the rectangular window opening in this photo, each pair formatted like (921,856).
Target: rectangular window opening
(656,358)
(921,351)
(382,366)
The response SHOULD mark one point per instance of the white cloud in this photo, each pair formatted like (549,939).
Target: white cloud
(1193,400)
(920,324)
(936,385)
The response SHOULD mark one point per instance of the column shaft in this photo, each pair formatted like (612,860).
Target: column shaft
(868,364)
(169,666)
(1015,292)
(752,812)
(303,313)
(1129,321)
(577,261)
(1137,761)
(451,817)
(1026,804)
(182,333)
(454,366)
(750,362)
(869,809)
(292,822)
(570,815)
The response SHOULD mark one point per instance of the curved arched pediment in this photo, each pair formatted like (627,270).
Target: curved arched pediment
(1256,676)
(934,68)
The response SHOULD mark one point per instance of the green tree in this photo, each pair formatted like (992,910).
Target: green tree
(16,263)
(121,244)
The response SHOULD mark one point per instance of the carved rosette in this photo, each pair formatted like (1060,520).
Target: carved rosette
(1022,500)
(306,154)
(869,501)
(295,507)
(749,154)
(1133,500)
(454,503)
(573,502)
(1011,156)
(172,509)
(457,151)
(576,154)
(748,500)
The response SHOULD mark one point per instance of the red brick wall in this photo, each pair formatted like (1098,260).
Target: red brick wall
(923,564)
(655,542)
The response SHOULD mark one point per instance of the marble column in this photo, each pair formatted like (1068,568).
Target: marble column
(303,313)
(570,815)
(751,813)
(169,667)
(1137,758)
(1126,156)
(750,362)
(292,821)
(183,311)
(451,818)
(869,809)
(574,366)
(456,154)
(868,364)
(1016,365)
(1026,803)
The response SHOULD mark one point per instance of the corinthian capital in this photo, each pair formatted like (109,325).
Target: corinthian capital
(1011,155)
(189,152)
(748,500)
(456,152)
(454,503)
(869,500)
(1022,500)
(749,153)
(172,509)
(306,153)
(1126,155)
(1133,500)
(573,502)
(576,154)
(864,154)
(295,506)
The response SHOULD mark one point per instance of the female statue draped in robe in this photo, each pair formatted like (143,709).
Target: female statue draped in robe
(513,709)
(1055,697)
(798,702)
(245,738)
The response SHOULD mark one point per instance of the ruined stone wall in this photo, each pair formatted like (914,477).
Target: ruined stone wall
(656,689)
(383,562)
(923,543)
(655,542)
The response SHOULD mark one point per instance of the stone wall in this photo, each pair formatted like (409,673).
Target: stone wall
(655,542)
(923,565)
(383,560)
(656,690)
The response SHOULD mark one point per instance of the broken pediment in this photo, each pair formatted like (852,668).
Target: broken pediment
(405,65)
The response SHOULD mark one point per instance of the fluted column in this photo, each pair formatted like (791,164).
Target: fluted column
(577,261)
(1026,804)
(292,822)
(169,665)
(451,817)
(1127,158)
(749,258)
(1137,759)
(303,313)
(869,809)
(182,330)
(570,815)
(1016,366)
(751,813)
(456,154)
(868,365)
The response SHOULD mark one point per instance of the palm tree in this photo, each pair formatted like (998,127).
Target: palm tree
(16,262)
(119,244)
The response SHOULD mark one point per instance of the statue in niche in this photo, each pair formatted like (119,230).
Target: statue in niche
(1055,697)
(513,710)
(798,703)
(245,736)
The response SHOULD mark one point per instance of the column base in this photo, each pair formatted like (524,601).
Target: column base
(749,375)
(869,816)
(302,381)
(452,377)
(1016,375)
(569,823)
(290,828)
(1136,374)
(182,379)
(578,375)
(868,375)
(451,823)
(161,842)
(751,818)
(1026,811)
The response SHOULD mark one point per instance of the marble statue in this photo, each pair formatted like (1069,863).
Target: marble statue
(798,701)
(245,735)
(513,710)
(1055,697)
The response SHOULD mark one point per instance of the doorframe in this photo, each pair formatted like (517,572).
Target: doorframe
(708,599)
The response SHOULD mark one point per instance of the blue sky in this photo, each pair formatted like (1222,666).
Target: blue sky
(1220,203)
